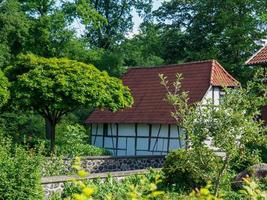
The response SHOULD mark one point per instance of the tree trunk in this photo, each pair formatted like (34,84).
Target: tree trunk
(47,130)
(51,131)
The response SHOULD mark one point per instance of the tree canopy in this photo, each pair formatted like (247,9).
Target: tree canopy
(4,92)
(56,87)
(225,30)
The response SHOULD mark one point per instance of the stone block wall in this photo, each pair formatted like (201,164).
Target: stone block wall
(99,164)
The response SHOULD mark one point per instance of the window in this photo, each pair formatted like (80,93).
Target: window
(105,129)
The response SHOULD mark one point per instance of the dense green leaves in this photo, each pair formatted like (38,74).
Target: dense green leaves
(14,30)
(231,125)
(4,93)
(119,21)
(20,173)
(225,30)
(62,85)
(55,87)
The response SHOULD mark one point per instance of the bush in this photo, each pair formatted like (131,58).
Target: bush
(81,150)
(23,127)
(143,187)
(54,166)
(242,161)
(20,176)
(74,142)
(190,168)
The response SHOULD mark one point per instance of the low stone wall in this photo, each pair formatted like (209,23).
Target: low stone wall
(54,184)
(99,164)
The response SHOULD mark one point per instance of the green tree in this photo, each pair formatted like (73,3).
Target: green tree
(14,30)
(44,28)
(119,21)
(143,49)
(225,30)
(4,92)
(51,23)
(56,87)
(231,125)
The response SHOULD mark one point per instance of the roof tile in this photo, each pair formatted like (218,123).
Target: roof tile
(260,57)
(149,105)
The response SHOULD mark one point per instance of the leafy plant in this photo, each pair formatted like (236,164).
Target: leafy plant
(74,141)
(251,190)
(143,187)
(4,92)
(231,125)
(203,193)
(191,168)
(20,175)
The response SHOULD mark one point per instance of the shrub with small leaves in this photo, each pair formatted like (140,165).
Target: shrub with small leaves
(190,168)
(73,141)
(20,174)
(251,190)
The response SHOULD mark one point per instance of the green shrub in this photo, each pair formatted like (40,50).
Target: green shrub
(190,168)
(20,176)
(73,141)
(54,166)
(143,187)
(23,127)
(262,148)
(242,161)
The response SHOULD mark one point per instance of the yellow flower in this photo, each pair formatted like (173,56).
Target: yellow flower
(88,191)
(152,187)
(78,197)
(82,173)
(204,191)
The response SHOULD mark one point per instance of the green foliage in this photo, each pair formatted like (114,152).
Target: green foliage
(203,193)
(23,127)
(248,158)
(231,125)
(53,166)
(143,187)
(191,168)
(251,190)
(56,87)
(62,84)
(225,30)
(119,21)
(20,176)
(143,49)
(4,92)
(74,141)
(14,30)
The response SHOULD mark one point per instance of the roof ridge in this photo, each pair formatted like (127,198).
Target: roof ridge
(170,65)
(214,63)
(255,54)
(212,71)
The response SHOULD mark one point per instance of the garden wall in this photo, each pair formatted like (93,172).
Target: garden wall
(56,183)
(99,164)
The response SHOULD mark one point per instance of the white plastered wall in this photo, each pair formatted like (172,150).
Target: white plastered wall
(137,140)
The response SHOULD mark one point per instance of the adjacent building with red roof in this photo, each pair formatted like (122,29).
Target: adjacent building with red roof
(260,59)
(147,128)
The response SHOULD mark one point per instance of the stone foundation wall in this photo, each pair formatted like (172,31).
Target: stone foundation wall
(56,183)
(99,164)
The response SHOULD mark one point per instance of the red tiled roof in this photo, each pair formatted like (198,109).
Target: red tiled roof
(259,57)
(149,105)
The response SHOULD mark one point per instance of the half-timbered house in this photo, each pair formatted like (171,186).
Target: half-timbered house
(147,128)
